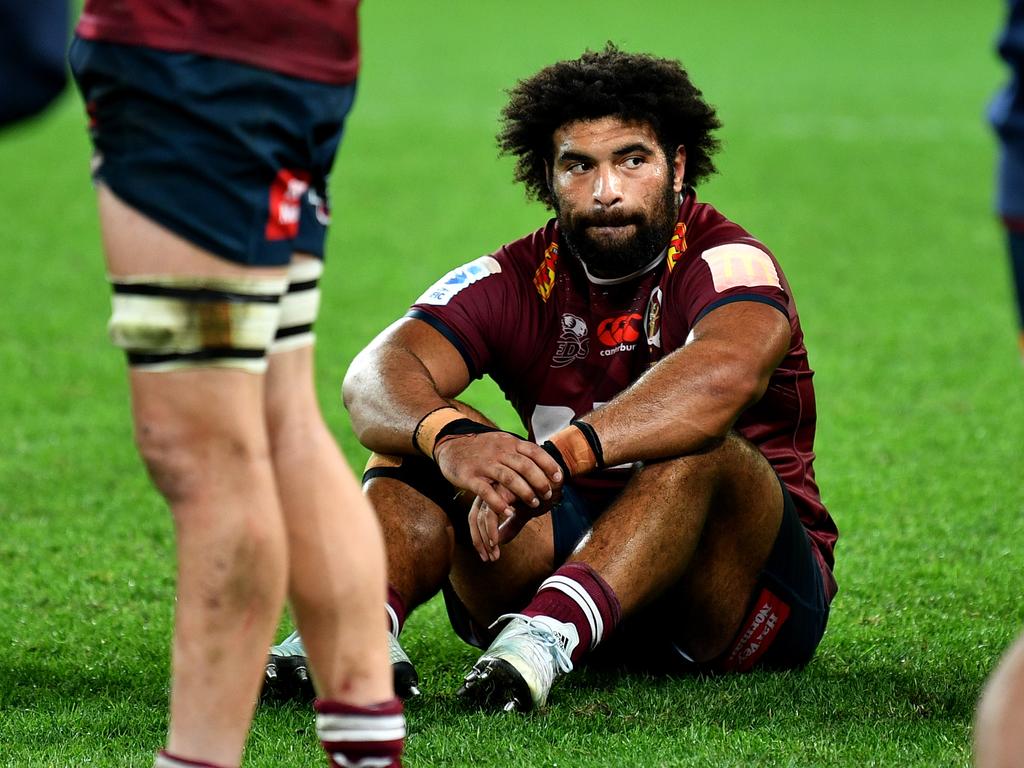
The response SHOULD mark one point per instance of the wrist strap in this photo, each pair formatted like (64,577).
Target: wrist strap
(424,436)
(458,428)
(577,454)
(592,439)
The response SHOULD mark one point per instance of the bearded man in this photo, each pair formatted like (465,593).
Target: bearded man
(663,509)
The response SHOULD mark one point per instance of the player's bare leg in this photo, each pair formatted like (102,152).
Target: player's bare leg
(203,438)
(336,580)
(336,571)
(999,721)
(701,526)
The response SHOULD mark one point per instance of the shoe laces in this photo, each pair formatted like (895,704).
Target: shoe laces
(543,648)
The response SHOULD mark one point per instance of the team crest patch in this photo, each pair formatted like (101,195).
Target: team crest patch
(572,341)
(736,264)
(441,292)
(544,277)
(652,322)
(677,245)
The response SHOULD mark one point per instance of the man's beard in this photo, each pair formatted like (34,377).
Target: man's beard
(610,259)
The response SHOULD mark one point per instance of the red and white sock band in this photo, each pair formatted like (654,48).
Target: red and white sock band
(361,736)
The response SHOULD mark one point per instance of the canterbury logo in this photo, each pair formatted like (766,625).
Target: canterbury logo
(624,329)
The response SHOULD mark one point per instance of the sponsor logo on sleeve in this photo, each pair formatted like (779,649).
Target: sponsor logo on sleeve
(572,342)
(677,245)
(619,333)
(544,277)
(740,264)
(441,292)
(285,204)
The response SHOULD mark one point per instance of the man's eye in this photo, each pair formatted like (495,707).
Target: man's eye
(633,162)
(579,167)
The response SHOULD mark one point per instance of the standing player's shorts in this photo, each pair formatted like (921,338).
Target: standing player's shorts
(786,615)
(232,158)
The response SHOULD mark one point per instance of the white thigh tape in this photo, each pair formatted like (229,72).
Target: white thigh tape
(299,306)
(168,323)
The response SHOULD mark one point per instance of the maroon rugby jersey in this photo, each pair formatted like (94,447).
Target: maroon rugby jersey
(559,344)
(311,39)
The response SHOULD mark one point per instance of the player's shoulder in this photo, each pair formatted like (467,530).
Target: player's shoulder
(710,237)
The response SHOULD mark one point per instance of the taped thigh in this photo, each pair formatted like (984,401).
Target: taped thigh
(170,323)
(299,306)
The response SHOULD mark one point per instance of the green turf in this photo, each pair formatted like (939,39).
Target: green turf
(854,145)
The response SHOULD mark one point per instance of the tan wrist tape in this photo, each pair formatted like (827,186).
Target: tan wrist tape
(425,434)
(576,451)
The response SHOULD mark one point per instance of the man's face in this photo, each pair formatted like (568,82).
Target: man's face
(615,193)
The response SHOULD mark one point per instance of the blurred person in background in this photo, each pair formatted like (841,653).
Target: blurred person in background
(33,44)
(1007,115)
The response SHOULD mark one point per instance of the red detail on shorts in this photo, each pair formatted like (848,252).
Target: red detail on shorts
(757,632)
(618,330)
(285,206)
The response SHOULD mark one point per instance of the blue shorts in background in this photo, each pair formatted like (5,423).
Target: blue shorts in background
(232,158)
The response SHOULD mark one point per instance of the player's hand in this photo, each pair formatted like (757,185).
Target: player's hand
(500,469)
(490,530)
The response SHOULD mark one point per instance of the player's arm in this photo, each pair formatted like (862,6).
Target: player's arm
(690,400)
(399,393)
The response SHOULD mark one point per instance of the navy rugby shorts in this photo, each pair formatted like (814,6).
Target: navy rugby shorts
(786,615)
(232,158)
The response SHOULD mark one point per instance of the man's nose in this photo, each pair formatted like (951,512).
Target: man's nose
(607,188)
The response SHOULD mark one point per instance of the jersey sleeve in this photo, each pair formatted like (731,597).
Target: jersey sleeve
(724,273)
(476,307)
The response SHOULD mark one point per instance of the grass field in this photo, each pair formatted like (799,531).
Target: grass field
(854,145)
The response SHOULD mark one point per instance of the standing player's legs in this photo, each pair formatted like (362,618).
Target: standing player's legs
(202,435)
(336,577)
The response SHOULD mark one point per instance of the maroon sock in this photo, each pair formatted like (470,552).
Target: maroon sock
(351,734)
(576,594)
(165,759)
(396,611)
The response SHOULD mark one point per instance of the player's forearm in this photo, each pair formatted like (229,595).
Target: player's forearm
(684,405)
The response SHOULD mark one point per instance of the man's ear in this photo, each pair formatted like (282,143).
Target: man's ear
(679,168)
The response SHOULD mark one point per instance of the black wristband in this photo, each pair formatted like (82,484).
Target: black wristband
(554,453)
(464,427)
(592,439)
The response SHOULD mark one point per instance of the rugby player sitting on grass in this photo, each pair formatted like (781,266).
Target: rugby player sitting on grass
(663,510)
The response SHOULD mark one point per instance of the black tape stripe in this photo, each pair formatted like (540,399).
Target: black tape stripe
(293,330)
(212,353)
(194,294)
(308,285)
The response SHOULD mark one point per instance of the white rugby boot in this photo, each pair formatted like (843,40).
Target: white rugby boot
(407,682)
(287,671)
(517,670)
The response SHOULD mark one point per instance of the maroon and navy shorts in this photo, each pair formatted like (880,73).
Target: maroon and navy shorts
(231,157)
